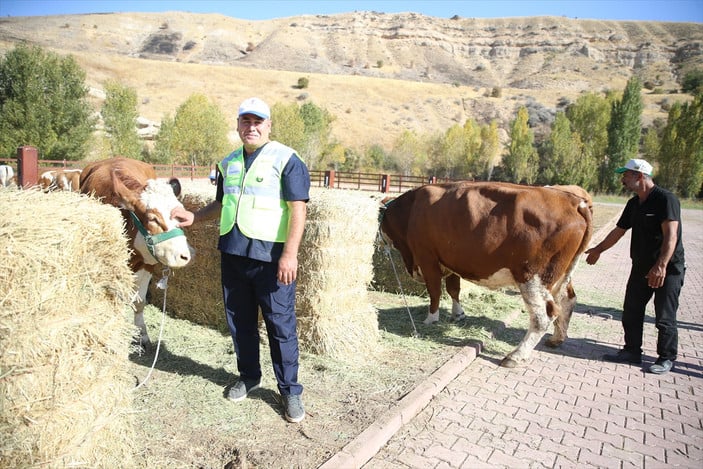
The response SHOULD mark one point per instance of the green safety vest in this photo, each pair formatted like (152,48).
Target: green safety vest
(252,199)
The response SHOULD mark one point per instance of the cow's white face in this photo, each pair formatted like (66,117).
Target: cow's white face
(159,200)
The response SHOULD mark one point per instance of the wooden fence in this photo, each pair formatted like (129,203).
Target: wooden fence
(377,182)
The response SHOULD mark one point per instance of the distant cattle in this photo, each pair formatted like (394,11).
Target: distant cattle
(7,175)
(60,180)
(146,203)
(495,235)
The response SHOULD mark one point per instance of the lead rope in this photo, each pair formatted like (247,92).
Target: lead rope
(163,285)
(387,250)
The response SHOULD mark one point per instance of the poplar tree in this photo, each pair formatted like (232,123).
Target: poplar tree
(624,131)
(680,161)
(589,117)
(521,163)
(288,127)
(472,146)
(119,112)
(409,154)
(488,152)
(564,161)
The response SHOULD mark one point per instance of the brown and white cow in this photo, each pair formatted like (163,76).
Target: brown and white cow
(60,180)
(146,203)
(495,235)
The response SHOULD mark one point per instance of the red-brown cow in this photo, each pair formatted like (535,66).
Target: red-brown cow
(146,205)
(495,235)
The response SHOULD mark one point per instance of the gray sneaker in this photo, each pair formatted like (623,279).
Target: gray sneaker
(242,388)
(295,412)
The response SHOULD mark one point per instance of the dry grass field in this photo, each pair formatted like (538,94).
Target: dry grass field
(377,74)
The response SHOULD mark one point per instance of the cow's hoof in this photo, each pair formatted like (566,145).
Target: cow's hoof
(553,343)
(141,347)
(431,318)
(508,362)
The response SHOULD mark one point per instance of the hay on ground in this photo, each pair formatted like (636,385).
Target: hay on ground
(65,285)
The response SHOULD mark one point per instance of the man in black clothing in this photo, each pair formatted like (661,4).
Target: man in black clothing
(658,265)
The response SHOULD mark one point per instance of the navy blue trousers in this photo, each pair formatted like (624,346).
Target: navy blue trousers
(247,285)
(666,304)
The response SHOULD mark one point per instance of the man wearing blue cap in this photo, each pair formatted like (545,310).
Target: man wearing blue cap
(262,191)
(658,265)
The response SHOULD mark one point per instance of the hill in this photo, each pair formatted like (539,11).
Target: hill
(377,73)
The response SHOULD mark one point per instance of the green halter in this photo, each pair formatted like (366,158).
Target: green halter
(152,240)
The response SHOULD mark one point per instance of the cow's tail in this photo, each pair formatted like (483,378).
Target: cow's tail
(587,213)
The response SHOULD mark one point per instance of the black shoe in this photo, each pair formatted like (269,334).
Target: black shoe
(661,366)
(624,356)
(242,388)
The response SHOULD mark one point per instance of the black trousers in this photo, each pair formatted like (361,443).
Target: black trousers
(666,304)
(248,285)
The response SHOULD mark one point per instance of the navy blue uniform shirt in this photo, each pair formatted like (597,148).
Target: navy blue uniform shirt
(295,186)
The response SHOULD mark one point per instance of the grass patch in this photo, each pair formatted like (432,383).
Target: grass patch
(185,420)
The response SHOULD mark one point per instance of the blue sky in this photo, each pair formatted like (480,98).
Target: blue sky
(649,10)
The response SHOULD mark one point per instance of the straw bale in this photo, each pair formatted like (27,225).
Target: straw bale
(65,289)
(335,315)
(390,274)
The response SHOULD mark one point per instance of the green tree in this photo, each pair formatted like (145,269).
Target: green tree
(472,147)
(450,159)
(521,163)
(693,82)
(288,127)
(336,158)
(377,159)
(681,150)
(165,146)
(624,132)
(198,135)
(409,154)
(589,117)
(650,144)
(488,152)
(43,103)
(119,113)
(317,123)
(564,163)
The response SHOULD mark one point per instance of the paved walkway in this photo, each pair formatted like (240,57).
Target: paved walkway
(568,408)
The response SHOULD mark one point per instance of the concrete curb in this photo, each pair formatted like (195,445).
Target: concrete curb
(369,442)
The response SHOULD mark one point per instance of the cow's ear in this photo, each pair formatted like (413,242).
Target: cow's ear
(124,197)
(176,186)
